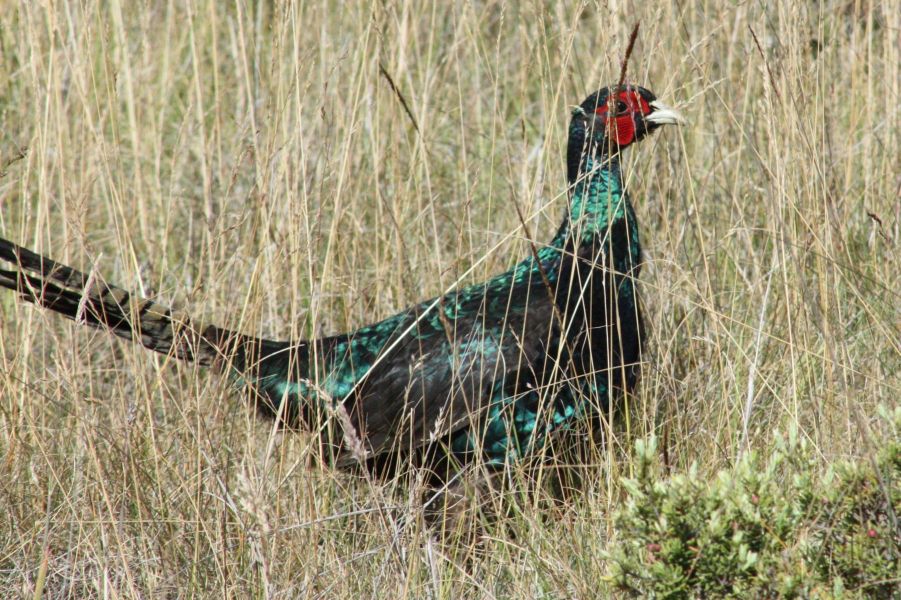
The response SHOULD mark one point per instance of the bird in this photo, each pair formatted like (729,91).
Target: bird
(484,374)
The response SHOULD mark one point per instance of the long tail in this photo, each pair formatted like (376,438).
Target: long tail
(89,300)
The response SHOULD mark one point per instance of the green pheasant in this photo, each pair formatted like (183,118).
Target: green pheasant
(486,372)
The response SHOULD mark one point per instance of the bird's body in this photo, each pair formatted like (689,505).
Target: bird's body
(486,356)
(484,372)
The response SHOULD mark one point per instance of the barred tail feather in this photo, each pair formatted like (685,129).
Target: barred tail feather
(91,301)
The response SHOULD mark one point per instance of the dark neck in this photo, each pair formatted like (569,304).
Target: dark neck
(598,206)
(597,200)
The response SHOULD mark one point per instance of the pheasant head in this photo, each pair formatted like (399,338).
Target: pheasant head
(612,119)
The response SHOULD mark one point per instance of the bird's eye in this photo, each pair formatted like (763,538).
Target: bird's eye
(621,107)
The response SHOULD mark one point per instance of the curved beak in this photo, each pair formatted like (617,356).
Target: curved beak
(664,115)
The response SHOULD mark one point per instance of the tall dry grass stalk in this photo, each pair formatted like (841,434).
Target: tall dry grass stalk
(250,163)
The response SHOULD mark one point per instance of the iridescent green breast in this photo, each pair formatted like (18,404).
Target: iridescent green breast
(520,417)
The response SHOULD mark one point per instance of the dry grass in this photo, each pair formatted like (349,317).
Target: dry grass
(252,165)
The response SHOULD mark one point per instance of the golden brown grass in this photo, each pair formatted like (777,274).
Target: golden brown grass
(249,163)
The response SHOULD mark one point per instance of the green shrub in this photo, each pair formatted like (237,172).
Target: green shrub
(769,527)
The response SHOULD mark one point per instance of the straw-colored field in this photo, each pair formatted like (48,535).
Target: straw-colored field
(250,163)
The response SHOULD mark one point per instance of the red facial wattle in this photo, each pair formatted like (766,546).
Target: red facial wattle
(622,127)
(624,130)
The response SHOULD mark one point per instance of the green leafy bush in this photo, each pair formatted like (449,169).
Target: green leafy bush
(769,527)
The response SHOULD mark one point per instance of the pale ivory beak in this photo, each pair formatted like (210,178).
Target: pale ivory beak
(664,115)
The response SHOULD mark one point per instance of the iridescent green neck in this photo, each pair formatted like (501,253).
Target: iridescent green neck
(598,200)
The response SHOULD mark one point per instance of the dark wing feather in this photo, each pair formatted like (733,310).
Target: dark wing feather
(439,379)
